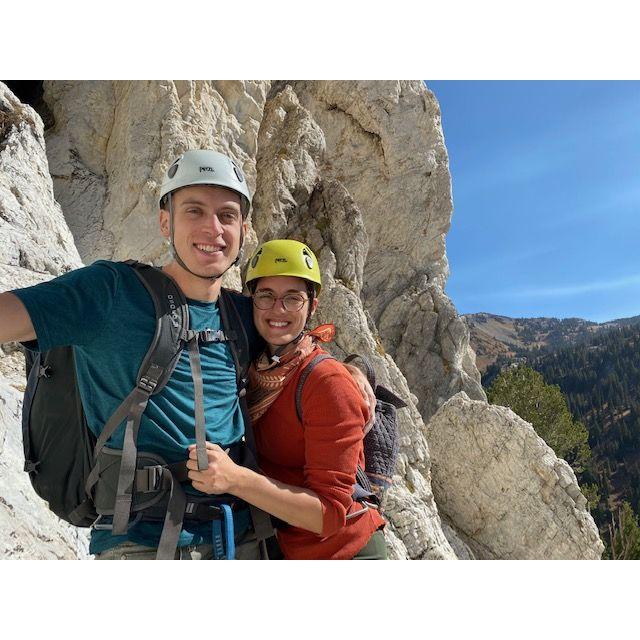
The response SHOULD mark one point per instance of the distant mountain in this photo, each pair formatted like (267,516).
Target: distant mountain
(507,339)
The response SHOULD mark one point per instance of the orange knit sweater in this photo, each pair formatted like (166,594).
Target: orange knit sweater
(322,455)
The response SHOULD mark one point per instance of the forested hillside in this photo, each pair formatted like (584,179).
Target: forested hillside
(600,378)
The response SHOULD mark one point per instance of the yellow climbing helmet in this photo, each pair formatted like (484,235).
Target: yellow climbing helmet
(284,258)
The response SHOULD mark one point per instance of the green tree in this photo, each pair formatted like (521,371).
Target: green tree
(592,493)
(624,534)
(525,392)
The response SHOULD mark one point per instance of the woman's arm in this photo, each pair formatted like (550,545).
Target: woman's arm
(298,506)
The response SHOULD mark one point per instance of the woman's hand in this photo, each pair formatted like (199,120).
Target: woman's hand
(221,474)
(367,393)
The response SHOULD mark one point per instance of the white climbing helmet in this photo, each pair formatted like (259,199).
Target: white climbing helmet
(204,166)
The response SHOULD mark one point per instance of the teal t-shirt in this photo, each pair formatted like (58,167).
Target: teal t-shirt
(107,315)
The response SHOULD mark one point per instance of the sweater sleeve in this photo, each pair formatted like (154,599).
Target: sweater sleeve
(334,414)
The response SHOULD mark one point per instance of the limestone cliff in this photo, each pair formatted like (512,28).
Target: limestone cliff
(359,171)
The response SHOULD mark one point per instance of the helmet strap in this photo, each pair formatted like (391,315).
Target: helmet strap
(180,261)
(275,356)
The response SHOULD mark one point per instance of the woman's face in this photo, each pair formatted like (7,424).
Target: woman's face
(280,325)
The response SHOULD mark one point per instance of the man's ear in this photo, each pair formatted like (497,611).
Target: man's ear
(165,228)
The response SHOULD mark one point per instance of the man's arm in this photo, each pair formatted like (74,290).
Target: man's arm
(15,323)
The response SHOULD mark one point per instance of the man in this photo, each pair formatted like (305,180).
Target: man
(106,314)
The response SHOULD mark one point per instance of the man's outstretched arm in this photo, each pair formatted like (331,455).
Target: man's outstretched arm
(15,323)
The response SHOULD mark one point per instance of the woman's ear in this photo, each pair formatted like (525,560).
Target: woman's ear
(314,306)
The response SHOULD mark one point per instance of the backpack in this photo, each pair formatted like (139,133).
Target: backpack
(381,442)
(85,481)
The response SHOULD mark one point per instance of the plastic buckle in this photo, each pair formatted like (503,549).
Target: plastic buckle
(30,466)
(44,372)
(146,384)
(98,526)
(101,527)
(154,476)
(209,335)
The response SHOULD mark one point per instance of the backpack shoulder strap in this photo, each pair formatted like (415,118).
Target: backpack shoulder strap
(233,324)
(368,368)
(172,323)
(303,378)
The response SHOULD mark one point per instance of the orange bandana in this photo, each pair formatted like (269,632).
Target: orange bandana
(267,379)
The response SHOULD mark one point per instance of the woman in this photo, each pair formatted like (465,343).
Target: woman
(309,467)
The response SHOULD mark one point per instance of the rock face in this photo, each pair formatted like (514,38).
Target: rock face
(359,171)
(35,245)
(503,489)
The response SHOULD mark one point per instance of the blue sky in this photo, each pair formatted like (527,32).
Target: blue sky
(546,193)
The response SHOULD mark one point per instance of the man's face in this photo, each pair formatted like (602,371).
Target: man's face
(207,227)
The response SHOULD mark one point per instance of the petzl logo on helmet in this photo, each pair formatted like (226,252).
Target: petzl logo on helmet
(207,169)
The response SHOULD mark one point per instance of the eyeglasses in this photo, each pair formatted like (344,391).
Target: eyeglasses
(292,301)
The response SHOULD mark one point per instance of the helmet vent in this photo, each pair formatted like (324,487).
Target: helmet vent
(172,170)
(255,259)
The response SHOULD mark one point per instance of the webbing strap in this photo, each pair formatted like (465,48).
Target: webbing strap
(112,424)
(223,535)
(80,514)
(369,370)
(263,528)
(216,540)
(196,374)
(173,519)
(303,378)
(114,421)
(229,536)
(124,494)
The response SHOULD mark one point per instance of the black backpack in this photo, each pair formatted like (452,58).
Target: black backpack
(81,478)
(380,443)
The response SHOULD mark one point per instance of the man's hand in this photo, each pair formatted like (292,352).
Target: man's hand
(219,477)
(367,393)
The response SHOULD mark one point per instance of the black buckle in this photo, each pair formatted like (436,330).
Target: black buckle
(203,511)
